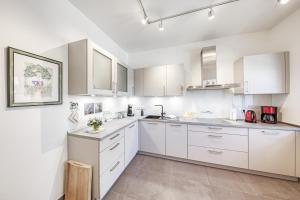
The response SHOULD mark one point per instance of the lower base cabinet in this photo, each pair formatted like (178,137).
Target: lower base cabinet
(131,142)
(153,137)
(176,140)
(298,154)
(272,151)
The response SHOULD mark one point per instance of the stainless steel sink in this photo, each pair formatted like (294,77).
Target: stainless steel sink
(153,117)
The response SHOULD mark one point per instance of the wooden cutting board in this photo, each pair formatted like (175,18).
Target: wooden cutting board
(78,181)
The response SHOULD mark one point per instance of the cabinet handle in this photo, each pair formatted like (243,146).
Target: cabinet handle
(246,86)
(152,123)
(215,128)
(215,152)
(114,136)
(115,166)
(270,133)
(176,125)
(114,147)
(132,126)
(215,136)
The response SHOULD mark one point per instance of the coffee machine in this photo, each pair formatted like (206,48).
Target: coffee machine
(130,111)
(269,114)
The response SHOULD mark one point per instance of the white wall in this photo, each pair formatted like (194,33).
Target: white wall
(286,36)
(33,139)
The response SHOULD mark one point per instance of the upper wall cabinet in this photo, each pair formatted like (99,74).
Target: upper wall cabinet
(139,82)
(166,80)
(122,79)
(175,80)
(155,81)
(92,70)
(262,74)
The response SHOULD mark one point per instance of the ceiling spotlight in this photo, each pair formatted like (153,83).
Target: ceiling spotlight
(211,14)
(282,2)
(160,26)
(145,20)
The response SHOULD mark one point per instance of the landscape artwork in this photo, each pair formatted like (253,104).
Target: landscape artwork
(33,80)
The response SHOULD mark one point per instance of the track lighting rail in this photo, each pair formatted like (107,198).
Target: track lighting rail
(183,13)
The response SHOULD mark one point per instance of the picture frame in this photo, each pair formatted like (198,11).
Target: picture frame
(33,80)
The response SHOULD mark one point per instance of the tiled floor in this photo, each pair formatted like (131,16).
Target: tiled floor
(149,178)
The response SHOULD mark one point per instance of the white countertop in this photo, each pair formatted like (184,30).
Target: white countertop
(109,128)
(115,125)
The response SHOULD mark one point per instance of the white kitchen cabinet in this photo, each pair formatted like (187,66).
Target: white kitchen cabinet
(131,142)
(298,154)
(175,80)
(122,79)
(155,81)
(263,74)
(153,137)
(272,151)
(139,82)
(92,70)
(176,140)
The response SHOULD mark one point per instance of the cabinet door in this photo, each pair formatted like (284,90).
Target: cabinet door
(153,137)
(131,142)
(175,80)
(298,154)
(139,82)
(265,74)
(155,81)
(122,79)
(272,151)
(176,140)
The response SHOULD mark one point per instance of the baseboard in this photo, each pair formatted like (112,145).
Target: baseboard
(247,171)
(61,198)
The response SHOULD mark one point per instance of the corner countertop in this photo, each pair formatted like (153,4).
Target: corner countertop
(109,128)
(115,125)
(227,123)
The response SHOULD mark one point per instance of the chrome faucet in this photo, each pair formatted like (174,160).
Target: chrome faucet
(162,111)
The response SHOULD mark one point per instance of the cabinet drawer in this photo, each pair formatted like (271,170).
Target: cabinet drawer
(219,129)
(219,141)
(216,156)
(111,139)
(108,178)
(110,154)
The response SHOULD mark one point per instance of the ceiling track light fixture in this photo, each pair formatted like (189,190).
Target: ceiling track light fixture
(211,14)
(283,2)
(161,26)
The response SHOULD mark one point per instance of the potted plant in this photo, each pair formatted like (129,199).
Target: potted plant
(95,124)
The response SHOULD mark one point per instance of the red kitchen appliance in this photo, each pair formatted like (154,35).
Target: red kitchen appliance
(269,114)
(250,116)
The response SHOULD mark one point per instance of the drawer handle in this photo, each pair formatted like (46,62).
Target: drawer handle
(270,133)
(115,166)
(132,126)
(177,125)
(215,152)
(114,147)
(152,123)
(215,136)
(215,128)
(114,136)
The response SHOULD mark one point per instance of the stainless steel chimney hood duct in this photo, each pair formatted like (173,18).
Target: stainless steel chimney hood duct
(209,72)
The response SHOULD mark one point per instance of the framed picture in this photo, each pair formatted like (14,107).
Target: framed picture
(33,80)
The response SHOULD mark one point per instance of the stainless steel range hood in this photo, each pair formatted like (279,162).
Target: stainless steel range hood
(209,72)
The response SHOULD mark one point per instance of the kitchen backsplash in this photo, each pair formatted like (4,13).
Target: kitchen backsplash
(205,104)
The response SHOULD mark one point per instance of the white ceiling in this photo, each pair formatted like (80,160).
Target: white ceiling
(121,20)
